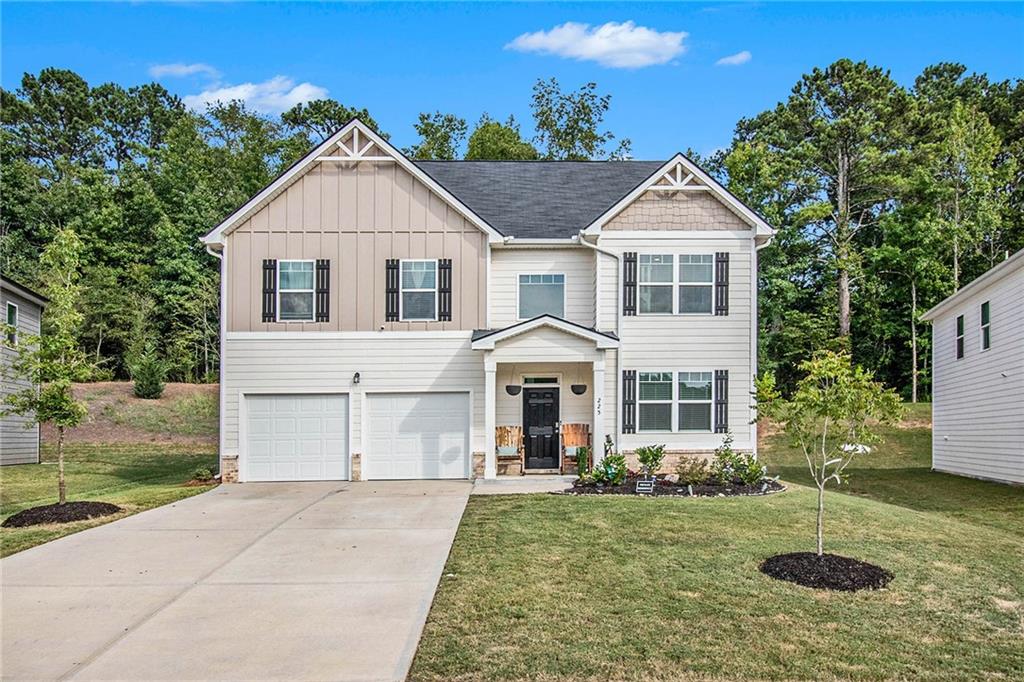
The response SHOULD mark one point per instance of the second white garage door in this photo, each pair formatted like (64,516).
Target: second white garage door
(417,435)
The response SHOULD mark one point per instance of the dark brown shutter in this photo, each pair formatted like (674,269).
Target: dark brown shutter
(269,290)
(721,400)
(323,290)
(629,401)
(444,289)
(721,284)
(391,290)
(629,283)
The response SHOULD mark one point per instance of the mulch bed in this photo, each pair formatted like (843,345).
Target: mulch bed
(828,571)
(664,488)
(60,513)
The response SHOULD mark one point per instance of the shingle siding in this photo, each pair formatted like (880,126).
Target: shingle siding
(681,211)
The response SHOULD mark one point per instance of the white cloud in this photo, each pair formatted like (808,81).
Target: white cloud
(616,45)
(735,59)
(179,70)
(273,96)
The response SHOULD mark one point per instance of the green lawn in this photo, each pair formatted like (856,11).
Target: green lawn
(135,477)
(588,588)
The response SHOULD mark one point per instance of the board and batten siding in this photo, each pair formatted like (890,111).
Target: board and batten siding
(19,436)
(577,264)
(328,363)
(357,216)
(978,400)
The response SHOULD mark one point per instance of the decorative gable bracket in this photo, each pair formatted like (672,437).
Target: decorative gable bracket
(673,180)
(353,149)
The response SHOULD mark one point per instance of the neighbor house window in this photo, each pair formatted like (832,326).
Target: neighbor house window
(694,401)
(959,336)
(655,283)
(696,277)
(986,326)
(541,294)
(295,291)
(12,324)
(419,290)
(654,401)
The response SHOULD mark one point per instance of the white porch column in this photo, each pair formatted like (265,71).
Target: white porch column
(597,425)
(490,397)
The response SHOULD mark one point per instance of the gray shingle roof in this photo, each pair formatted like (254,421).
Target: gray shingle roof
(539,199)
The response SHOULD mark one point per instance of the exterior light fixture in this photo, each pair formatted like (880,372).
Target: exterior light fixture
(355,378)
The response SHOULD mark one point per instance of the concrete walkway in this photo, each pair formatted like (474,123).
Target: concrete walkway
(296,581)
(522,485)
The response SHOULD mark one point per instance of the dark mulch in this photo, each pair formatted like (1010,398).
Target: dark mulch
(663,488)
(828,571)
(60,513)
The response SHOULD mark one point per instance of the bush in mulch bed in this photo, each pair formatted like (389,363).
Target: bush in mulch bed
(60,513)
(668,488)
(828,571)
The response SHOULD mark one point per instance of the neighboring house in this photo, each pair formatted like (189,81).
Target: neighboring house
(22,309)
(384,318)
(978,376)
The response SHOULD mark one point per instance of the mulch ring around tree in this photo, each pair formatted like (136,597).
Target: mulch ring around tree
(60,513)
(828,571)
(667,488)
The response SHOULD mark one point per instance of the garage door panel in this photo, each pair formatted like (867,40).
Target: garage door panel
(296,438)
(417,435)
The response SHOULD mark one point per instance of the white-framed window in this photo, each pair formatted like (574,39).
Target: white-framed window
(12,324)
(695,394)
(295,293)
(986,326)
(675,401)
(696,283)
(959,336)
(655,283)
(418,300)
(541,294)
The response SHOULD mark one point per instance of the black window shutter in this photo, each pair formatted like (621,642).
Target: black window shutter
(444,290)
(629,401)
(629,283)
(391,290)
(323,290)
(721,284)
(269,290)
(721,400)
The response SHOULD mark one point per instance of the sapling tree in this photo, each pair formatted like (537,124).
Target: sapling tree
(832,417)
(54,360)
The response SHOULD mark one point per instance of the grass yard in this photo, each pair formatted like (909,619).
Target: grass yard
(581,588)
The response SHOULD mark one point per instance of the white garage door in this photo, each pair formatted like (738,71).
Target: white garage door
(296,437)
(417,435)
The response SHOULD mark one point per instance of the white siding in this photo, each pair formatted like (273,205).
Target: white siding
(327,363)
(577,264)
(19,436)
(608,293)
(978,400)
(577,409)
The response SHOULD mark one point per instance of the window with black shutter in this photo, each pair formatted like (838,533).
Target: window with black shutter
(721,400)
(629,283)
(721,283)
(629,401)
(444,289)
(323,290)
(269,290)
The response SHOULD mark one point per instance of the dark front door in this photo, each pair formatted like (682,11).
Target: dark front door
(540,424)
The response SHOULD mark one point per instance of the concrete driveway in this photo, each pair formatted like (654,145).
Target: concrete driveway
(298,581)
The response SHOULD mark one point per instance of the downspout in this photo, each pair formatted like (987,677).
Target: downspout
(754,331)
(221,395)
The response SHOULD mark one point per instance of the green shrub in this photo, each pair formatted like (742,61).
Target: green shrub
(202,474)
(582,459)
(693,470)
(148,374)
(650,457)
(610,471)
(730,465)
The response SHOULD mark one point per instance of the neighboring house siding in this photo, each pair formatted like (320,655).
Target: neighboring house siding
(691,210)
(357,216)
(18,444)
(328,364)
(978,400)
(577,264)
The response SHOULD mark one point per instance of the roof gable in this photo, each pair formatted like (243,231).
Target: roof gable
(486,339)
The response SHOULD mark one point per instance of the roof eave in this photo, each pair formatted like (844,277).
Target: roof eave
(1007,267)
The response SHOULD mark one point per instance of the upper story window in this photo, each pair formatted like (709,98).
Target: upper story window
(295,291)
(655,284)
(986,326)
(959,336)
(696,278)
(12,324)
(681,284)
(541,294)
(419,290)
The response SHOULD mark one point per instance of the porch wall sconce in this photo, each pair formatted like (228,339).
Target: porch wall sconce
(579,389)
(513,389)
(355,378)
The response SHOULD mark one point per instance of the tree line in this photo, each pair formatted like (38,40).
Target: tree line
(886,198)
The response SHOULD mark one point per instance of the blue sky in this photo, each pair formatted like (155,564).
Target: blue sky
(396,60)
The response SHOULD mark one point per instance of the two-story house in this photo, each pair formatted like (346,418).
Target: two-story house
(386,318)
